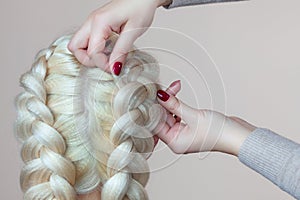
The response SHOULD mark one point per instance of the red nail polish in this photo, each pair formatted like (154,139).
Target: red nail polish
(117,68)
(162,95)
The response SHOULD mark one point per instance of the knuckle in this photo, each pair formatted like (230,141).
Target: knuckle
(71,46)
(98,17)
(87,62)
(106,30)
(92,51)
(118,54)
(121,52)
(89,53)
(174,105)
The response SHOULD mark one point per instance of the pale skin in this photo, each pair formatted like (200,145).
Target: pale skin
(185,134)
(129,18)
(196,130)
(201,130)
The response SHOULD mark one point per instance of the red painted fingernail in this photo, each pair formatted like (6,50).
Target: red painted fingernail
(162,95)
(117,68)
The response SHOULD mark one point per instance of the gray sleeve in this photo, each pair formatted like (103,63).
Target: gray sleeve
(180,3)
(275,157)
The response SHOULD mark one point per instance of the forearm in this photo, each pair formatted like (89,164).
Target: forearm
(234,133)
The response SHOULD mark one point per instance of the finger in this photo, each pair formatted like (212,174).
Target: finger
(80,38)
(100,60)
(123,45)
(173,105)
(169,134)
(174,88)
(82,57)
(99,35)
(170,120)
(79,43)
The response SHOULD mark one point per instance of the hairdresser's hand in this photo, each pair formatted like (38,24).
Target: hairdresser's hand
(129,18)
(202,130)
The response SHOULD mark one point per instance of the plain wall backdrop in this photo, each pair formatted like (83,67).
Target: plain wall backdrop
(255,45)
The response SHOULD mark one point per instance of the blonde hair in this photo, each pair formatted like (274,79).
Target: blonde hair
(83,129)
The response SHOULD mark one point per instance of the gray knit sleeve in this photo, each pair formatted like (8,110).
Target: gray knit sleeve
(275,157)
(180,3)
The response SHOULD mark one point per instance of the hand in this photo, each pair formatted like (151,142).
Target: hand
(201,130)
(129,18)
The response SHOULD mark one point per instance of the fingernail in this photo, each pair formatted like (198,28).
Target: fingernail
(175,83)
(117,68)
(162,95)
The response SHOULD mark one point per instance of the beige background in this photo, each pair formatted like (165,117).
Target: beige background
(255,45)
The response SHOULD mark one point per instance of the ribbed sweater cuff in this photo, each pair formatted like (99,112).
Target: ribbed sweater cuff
(180,3)
(275,157)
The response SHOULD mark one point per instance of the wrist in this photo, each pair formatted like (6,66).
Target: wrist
(233,136)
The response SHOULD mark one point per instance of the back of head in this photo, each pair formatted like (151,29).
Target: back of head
(84,129)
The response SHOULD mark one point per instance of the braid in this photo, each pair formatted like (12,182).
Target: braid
(47,174)
(137,114)
(83,129)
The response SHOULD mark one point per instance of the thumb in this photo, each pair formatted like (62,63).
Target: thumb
(123,45)
(174,105)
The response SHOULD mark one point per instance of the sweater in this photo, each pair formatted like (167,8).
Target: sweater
(275,157)
(180,3)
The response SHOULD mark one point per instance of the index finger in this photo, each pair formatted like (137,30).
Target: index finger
(96,45)
(172,104)
(78,46)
